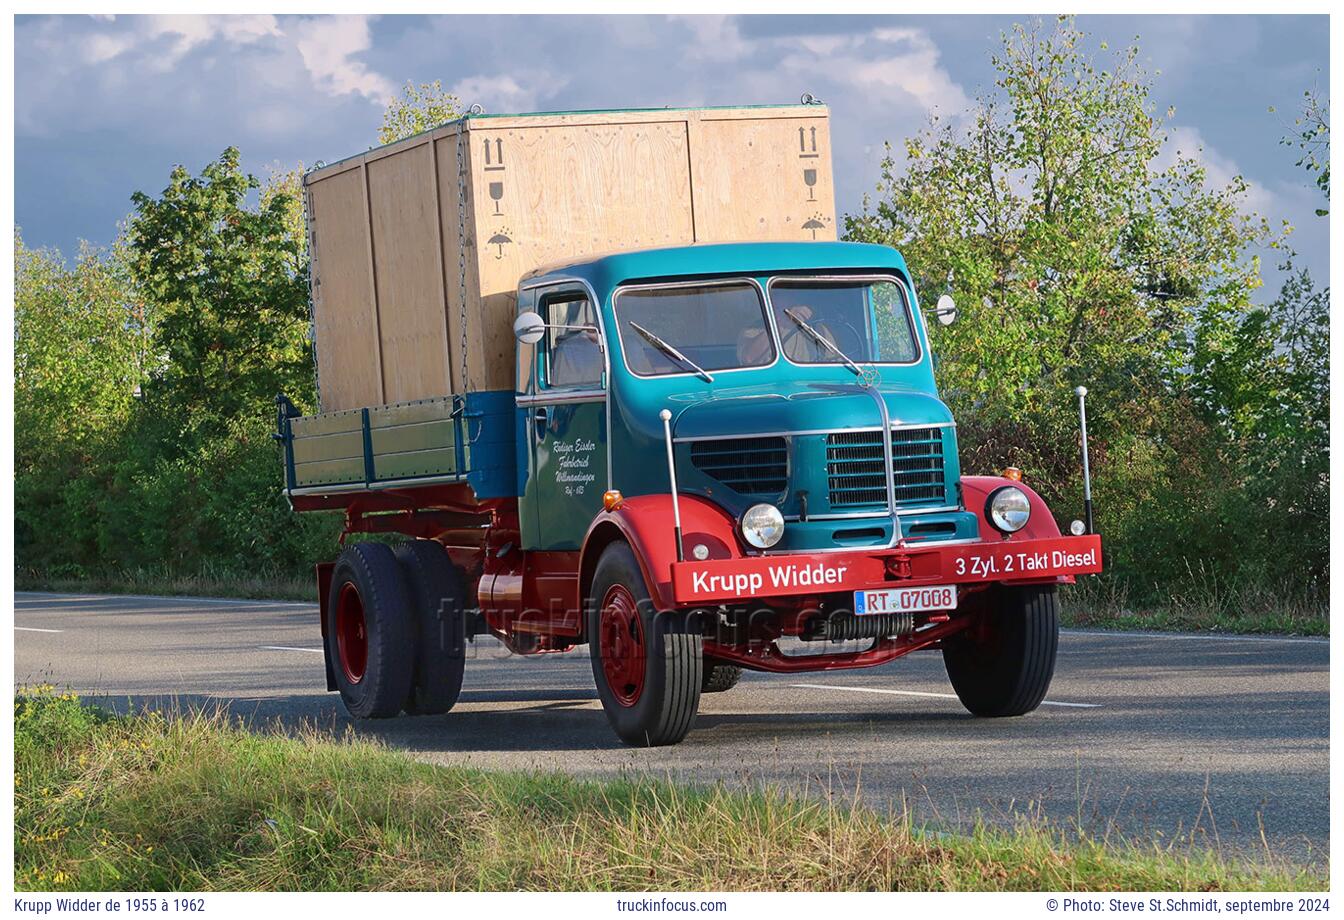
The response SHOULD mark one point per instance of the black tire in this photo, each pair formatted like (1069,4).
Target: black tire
(374,684)
(437,592)
(1004,668)
(719,677)
(666,662)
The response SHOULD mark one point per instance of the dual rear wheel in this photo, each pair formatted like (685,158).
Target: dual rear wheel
(395,631)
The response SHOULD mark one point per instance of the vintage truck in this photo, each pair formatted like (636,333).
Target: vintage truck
(711,457)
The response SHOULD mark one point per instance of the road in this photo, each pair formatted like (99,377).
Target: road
(1219,737)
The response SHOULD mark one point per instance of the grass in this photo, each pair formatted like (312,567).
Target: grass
(210,582)
(191,801)
(1202,603)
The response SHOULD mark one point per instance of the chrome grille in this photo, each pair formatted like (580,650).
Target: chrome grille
(855,474)
(749,466)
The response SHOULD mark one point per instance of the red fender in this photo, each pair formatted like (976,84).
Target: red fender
(975,492)
(646,522)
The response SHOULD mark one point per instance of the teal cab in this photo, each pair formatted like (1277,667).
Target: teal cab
(780,363)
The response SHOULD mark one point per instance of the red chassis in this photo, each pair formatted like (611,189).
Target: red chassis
(532,601)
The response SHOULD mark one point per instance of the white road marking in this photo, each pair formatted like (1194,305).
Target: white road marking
(940,696)
(1201,637)
(35,629)
(288,648)
(233,601)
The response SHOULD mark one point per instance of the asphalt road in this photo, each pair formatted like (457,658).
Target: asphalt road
(1221,738)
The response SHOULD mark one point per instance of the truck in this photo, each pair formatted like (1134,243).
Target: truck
(611,380)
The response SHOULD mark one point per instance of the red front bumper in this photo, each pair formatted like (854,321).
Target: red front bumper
(733,580)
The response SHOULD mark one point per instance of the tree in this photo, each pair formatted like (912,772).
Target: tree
(1075,257)
(417,109)
(231,287)
(80,341)
(1311,136)
(80,350)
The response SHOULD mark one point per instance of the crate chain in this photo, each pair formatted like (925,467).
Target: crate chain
(462,250)
(310,232)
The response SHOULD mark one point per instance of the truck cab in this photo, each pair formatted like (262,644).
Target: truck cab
(763,411)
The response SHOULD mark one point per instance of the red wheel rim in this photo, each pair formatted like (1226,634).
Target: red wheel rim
(622,645)
(352,641)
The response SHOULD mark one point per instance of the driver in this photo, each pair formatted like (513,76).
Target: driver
(797,344)
(576,360)
(576,355)
(753,347)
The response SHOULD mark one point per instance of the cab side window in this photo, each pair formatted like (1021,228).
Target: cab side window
(572,358)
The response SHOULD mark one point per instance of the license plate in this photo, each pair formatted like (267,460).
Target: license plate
(905,600)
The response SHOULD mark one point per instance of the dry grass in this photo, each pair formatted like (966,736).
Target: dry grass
(211,582)
(193,802)
(1202,603)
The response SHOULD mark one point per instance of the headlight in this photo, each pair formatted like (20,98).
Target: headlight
(1008,509)
(762,525)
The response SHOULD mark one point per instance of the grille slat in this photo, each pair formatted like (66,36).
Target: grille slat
(856,474)
(750,466)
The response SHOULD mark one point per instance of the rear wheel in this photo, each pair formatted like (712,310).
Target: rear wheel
(647,665)
(719,677)
(1002,666)
(438,599)
(370,631)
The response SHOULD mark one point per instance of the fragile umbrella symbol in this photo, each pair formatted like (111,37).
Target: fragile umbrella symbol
(814,225)
(499,239)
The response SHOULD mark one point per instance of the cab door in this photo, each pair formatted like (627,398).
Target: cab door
(565,422)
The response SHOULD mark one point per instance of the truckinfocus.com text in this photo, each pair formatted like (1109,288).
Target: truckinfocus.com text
(669,905)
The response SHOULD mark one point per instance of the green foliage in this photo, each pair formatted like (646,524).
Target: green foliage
(418,109)
(1311,136)
(231,289)
(81,341)
(1076,258)
(145,382)
(80,346)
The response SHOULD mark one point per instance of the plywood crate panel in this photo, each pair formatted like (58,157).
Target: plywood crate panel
(418,246)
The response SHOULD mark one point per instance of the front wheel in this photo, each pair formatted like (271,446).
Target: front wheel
(1002,665)
(647,665)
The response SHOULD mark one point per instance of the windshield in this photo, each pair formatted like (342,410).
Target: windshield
(827,322)
(693,329)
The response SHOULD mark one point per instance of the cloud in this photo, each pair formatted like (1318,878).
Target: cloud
(328,44)
(172,37)
(715,38)
(886,65)
(183,80)
(522,91)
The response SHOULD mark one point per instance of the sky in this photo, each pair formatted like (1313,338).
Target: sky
(106,106)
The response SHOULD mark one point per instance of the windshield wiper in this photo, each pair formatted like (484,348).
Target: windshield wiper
(670,351)
(823,342)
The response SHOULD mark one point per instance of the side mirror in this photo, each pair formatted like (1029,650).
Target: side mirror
(529,328)
(946,310)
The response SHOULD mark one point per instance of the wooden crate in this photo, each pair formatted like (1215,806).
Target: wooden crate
(418,246)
